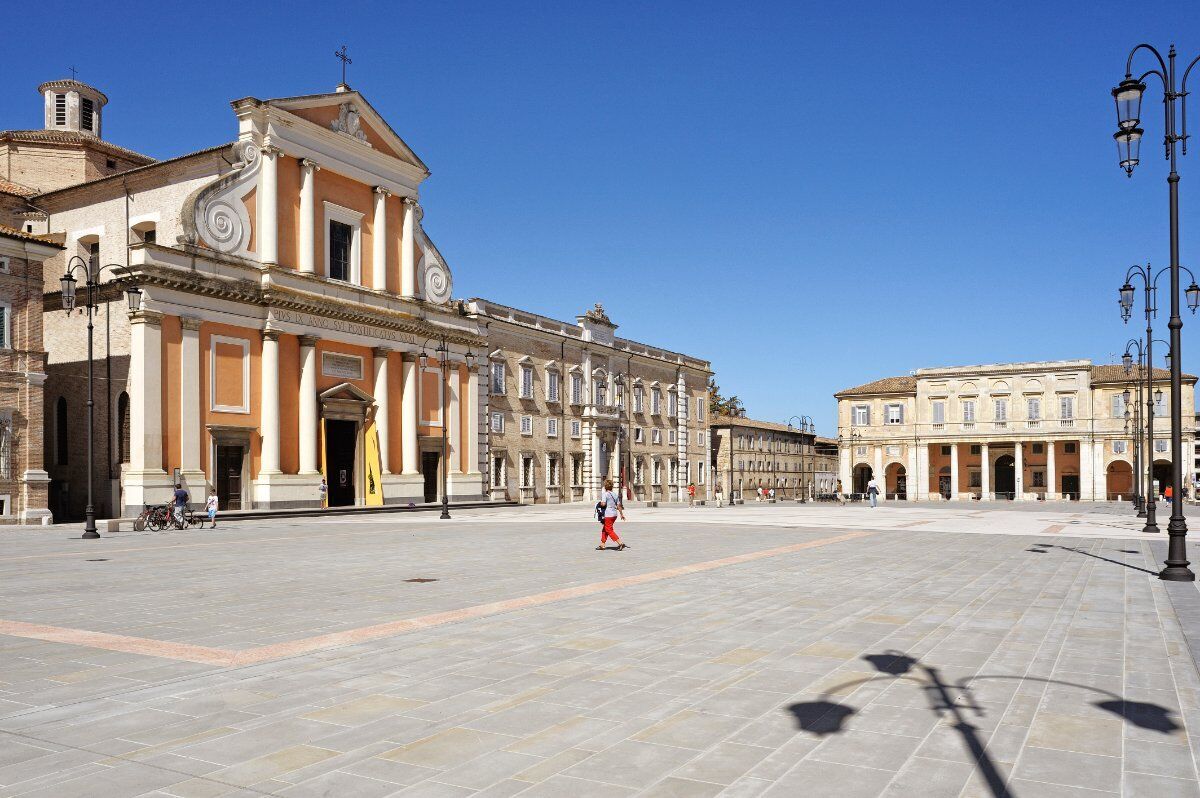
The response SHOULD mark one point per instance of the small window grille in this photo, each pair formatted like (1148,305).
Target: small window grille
(60,109)
(86,114)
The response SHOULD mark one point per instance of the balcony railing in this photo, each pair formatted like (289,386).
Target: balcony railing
(1000,424)
(1066,422)
(938,426)
(1033,423)
(968,425)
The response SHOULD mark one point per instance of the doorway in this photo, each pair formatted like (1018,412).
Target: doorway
(1006,477)
(341,446)
(862,475)
(944,487)
(1070,487)
(429,468)
(229,476)
(1162,476)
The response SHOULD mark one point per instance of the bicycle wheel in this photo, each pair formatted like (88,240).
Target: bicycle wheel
(157,520)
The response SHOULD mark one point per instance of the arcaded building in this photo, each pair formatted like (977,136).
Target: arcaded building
(1045,430)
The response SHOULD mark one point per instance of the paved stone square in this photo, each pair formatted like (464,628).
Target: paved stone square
(775,650)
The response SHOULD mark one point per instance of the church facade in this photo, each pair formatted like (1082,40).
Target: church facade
(295,323)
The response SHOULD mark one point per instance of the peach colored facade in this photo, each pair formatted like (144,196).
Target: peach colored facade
(1020,431)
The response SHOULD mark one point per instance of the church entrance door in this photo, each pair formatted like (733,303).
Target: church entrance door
(341,439)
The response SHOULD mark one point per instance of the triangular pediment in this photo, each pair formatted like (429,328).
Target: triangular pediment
(326,111)
(346,392)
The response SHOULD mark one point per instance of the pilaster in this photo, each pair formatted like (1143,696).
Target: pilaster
(306,249)
(268,206)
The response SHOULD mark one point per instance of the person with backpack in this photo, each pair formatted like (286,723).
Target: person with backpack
(873,491)
(607,510)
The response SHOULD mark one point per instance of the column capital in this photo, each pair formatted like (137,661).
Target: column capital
(380,190)
(190,322)
(381,351)
(149,317)
(309,340)
(270,335)
(270,151)
(310,164)
(411,202)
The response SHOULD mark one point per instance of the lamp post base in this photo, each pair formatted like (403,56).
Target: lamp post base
(89,524)
(1151,529)
(1177,573)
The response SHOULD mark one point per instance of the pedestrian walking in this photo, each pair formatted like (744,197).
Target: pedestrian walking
(772,494)
(841,497)
(720,499)
(873,491)
(1167,494)
(324,489)
(608,508)
(211,507)
(691,494)
(181,500)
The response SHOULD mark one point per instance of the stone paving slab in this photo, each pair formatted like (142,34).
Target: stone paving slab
(905,661)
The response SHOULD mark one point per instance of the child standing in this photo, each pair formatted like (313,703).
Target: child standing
(211,507)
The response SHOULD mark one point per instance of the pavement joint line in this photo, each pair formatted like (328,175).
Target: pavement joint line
(205,655)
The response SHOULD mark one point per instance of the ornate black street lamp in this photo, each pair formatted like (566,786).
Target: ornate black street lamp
(806,425)
(1149,281)
(1128,97)
(1144,501)
(443,354)
(133,296)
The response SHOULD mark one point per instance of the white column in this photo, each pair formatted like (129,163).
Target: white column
(408,408)
(845,453)
(985,472)
(1051,479)
(452,420)
(474,420)
(308,416)
(408,251)
(189,396)
(1087,490)
(923,472)
(953,471)
(306,253)
(379,242)
(1019,468)
(145,391)
(911,475)
(268,206)
(381,404)
(269,412)
(877,472)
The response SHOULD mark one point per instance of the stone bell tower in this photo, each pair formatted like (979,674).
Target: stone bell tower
(73,106)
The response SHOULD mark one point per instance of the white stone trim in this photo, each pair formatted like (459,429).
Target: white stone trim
(212,374)
(336,213)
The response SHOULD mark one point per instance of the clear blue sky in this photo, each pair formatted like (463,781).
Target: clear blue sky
(811,195)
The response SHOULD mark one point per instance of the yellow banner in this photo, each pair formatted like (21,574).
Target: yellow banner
(374,486)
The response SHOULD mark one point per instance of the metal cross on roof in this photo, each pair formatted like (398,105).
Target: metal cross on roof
(72,72)
(345,60)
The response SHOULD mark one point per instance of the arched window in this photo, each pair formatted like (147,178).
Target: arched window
(60,431)
(123,428)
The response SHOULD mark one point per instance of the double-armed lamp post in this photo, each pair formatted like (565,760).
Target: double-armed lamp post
(133,295)
(805,424)
(1128,97)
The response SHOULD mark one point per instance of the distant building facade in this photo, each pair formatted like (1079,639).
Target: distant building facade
(24,482)
(749,454)
(1019,431)
(569,405)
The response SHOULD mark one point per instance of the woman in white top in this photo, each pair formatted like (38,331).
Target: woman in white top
(611,504)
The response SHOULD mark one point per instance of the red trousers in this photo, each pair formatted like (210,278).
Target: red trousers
(608,531)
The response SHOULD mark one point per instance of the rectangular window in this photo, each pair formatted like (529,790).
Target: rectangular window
(671,436)
(656,436)
(526,471)
(699,472)
(552,471)
(576,389)
(60,109)
(1000,410)
(87,114)
(655,401)
(674,472)
(4,267)
(498,472)
(497,379)
(576,469)
(552,386)
(526,382)
(552,428)
(974,479)
(1066,407)
(5,449)
(638,399)
(1039,479)
(1161,446)
(861,416)
(341,243)
(149,236)
(894,414)
(939,412)
(975,449)
(1039,448)
(497,422)
(1160,405)
(672,410)
(1069,447)
(1119,447)
(700,438)
(637,435)
(601,392)
(1033,408)
(576,429)
(5,326)
(526,425)
(1118,405)
(657,471)
(945,451)
(968,410)
(700,412)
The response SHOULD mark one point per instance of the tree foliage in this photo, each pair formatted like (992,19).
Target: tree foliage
(719,405)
